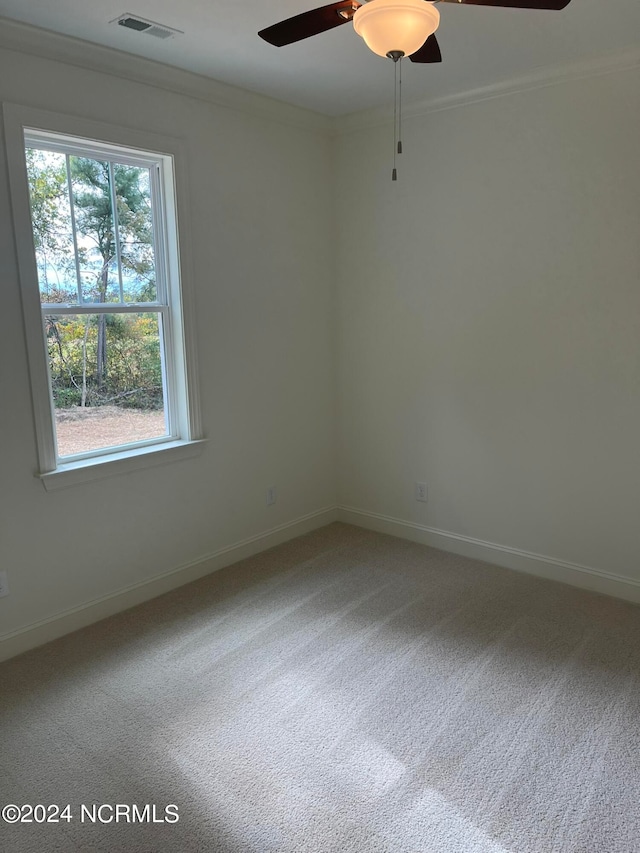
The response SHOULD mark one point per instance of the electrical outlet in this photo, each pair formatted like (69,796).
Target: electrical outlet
(4,584)
(421,492)
(271,495)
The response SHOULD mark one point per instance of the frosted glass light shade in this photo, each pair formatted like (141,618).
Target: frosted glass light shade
(402,25)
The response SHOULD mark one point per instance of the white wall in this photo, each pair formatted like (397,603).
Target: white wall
(486,338)
(489,310)
(259,199)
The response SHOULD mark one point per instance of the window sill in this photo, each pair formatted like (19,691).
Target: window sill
(97,468)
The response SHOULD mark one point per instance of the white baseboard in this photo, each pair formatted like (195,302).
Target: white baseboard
(500,555)
(41,632)
(55,626)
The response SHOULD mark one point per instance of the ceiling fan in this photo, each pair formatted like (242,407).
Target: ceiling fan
(390,28)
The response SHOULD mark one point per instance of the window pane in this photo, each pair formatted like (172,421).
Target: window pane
(51,223)
(135,228)
(95,230)
(107,379)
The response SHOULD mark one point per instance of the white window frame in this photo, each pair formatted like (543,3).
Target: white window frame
(26,127)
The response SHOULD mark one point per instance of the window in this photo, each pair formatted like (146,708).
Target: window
(109,369)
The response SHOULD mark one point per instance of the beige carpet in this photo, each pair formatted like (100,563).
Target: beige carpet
(345,692)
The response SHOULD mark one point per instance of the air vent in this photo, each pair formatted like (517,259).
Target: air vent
(147,28)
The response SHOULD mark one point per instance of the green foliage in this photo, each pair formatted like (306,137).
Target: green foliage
(50,218)
(47,185)
(65,398)
(135,370)
(96,359)
(92,197)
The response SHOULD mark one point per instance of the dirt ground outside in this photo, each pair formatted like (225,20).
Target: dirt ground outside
(79,430)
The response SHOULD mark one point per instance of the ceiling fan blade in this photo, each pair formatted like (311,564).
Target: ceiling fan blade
(309,23)
(429,52)
(514,4)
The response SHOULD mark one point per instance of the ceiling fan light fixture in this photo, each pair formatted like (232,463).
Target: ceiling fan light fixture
(389,26)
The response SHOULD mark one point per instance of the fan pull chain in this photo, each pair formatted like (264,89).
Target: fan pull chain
(396,55)
(400,106)
(394,173)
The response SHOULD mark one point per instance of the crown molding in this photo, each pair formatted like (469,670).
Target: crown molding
(24,38)
(557,75)
(46,44)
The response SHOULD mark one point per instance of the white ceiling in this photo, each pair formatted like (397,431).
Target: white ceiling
(334,73)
